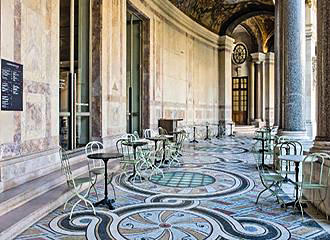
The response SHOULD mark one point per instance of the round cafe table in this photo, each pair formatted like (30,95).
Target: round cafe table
(105,158)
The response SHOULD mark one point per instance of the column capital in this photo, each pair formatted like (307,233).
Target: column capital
(258,57)
(270,57)
(226,42)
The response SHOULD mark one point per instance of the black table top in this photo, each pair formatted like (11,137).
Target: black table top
(135,143)
(157,138)
(105,155)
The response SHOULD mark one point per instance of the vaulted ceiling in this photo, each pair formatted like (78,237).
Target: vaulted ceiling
(223,16)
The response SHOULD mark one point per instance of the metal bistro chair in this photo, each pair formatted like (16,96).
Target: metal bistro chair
(271,181)
(96,167)
(288,148)
(128,158)
(174,151)
(75,183)
(147,133)
(147,163)
(315,177)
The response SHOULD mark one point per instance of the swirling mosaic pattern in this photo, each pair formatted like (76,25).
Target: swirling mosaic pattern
(210,196)
(226,184)
(165,224)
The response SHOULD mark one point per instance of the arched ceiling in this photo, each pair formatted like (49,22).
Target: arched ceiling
(223,16)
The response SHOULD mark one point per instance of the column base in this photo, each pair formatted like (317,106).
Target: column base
(259,123)
(310,128)
(320,146)
(294,135)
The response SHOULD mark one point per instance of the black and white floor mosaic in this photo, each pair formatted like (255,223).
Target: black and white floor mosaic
(211,196)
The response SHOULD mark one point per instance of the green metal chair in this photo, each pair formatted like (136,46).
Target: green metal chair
(174,149)
(147,163)
(75,183)
(128,160)
(314,180)
(271,181)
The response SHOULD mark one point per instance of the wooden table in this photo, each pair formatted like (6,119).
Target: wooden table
(297,159)
(105,157)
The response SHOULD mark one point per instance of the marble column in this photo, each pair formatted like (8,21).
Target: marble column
(294,69)
(322,140)
(251,93)
(225,87)
(277,47)
(269,89)
(310,84)
(258,59)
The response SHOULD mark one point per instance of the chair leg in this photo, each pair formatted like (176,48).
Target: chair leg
(260,194)
(93,186)
(113,188)
(73,207)
(66,202)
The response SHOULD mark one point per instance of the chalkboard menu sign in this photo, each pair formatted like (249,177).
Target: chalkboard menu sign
(11,86)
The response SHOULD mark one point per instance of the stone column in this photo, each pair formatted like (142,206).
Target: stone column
(257,59)
(322,140)
(251,93)
(225,87)
(277,47)
(310,85)
(269,89)
(294,69)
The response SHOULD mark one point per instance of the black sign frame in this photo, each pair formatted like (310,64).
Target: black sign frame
(11,86)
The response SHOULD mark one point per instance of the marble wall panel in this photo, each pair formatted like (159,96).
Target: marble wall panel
(29,35)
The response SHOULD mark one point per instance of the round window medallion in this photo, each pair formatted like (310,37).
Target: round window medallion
(239,53)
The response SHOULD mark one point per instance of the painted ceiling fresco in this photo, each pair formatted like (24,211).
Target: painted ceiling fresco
(222,16)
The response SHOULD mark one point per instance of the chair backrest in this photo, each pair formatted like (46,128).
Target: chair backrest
(65,165)
(94,147)
(181,136)
(147,133)
(313,175)
(136,134)
(124,149)
(162,131)
(291,148)
(131,137)
(258,158)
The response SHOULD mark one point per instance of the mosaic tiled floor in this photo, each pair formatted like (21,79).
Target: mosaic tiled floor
(212,196)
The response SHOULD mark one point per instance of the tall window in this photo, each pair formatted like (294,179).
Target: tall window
(133,81)
(74,93)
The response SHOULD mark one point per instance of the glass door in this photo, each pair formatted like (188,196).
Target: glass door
(240,100)
(133,72)
(74,73)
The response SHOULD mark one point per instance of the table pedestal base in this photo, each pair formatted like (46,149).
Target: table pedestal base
(294,204)
(105,202)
